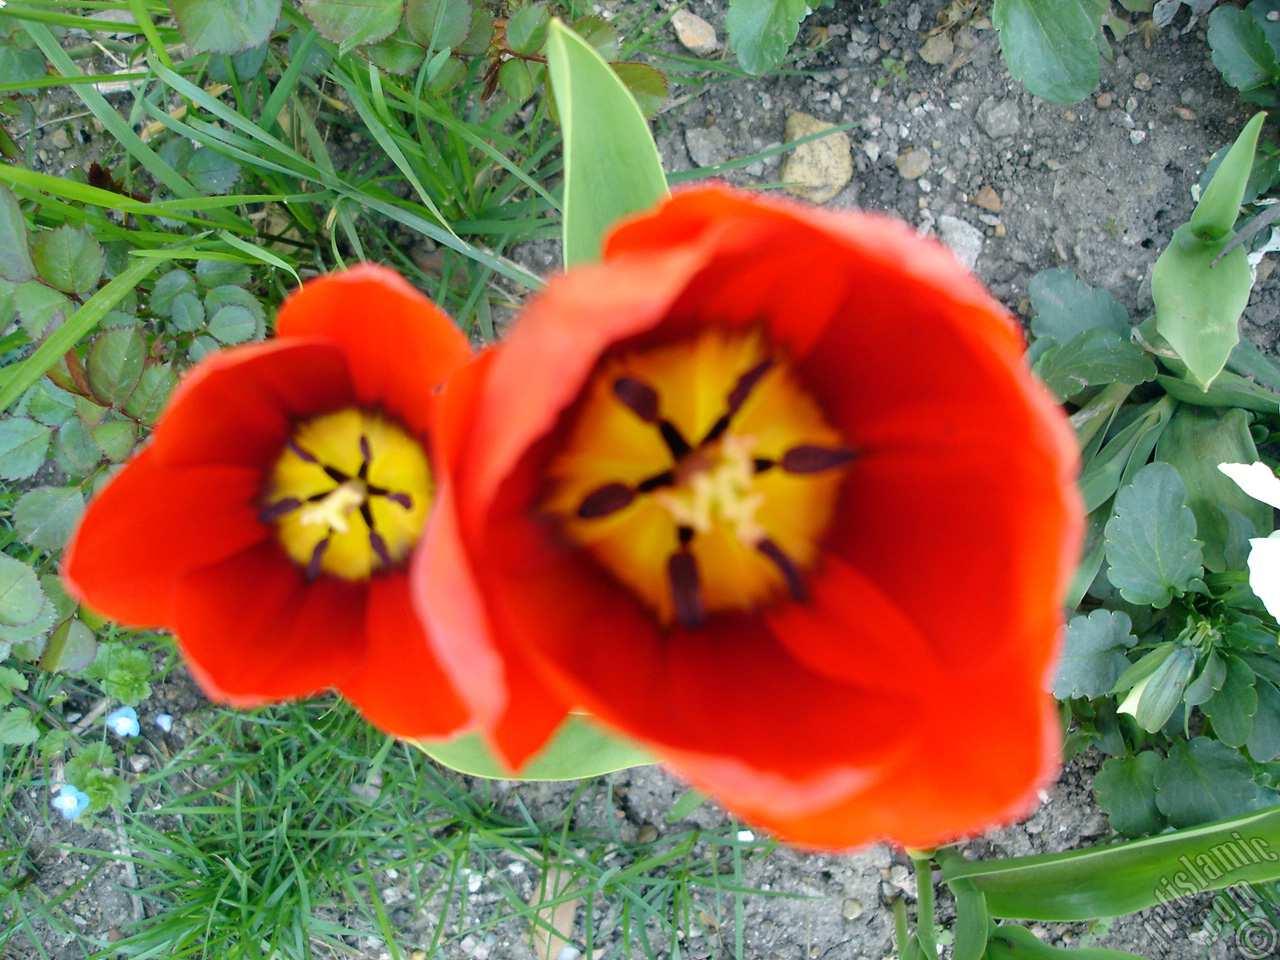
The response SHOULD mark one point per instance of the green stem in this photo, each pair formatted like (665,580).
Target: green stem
(924,906)
(901,932)
(1091,418)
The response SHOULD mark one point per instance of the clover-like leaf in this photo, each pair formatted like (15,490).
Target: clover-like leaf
(1093,654)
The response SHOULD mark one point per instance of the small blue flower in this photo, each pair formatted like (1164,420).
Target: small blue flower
(70,802)
(123,722)
(164,721)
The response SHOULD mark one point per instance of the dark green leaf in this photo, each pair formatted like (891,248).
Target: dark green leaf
(1049,46)
(15,255)
(762,31)
(516,81)
(41,309)
(18,64)
(154,387)
(75,450)
(352,23)
(72,647)
(48,404)
(23,444)
(114,364)
(396,54)
(647,85)
(30,635)
(1093,654)
(1264,739)
(44,517)
(215,273)
(1228,390)
(17,728)
(1126,789)
(1232,708)
(1152,550)
(1213,674)
(1240,49)
(229,295)
(187,311)
(1094,357)
(20,595)
(211,172)
(1205,780)
(480,35)
(232,324)
(69,259)
(1161,694)
(167,288)
(1066,307)
(225,26)
(115,438)
(527,29)
(438,24)
(237,67)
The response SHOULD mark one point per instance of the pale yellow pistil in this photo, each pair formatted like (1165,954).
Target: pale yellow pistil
(349,494)
(702,475)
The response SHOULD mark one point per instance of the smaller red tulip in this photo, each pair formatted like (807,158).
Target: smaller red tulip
(270,520)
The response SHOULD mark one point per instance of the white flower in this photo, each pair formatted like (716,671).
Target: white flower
(1259,482)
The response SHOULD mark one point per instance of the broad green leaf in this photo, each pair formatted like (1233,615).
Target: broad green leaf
(1232,708)
(1196,441)
(17,728)
(1126,877)
(69,259)
(41,309)
(228,295)
(1152,550)
(217,273)
(23,444)
(1049,46)
(115,438)
(236,68)
(517,82)
(29,636)
(123,671)
(15,255)
(646,84)
(20,595)
(1092,358)
(1093,654)
(1213,674)
(212,173)
(48,404)
(44,517)
(527,29)
(611,163)
(1219,205)
(352,23)
(1126,789)
(1124,455)
(75,450)
(114,364)
(1240,49)
(438,24)
(578,749)
(1202,780)
(1066,307)
(396,54)
(167,288)
(762,31)
(72,647)
(232,324)
(226,26)
(1264,739)
(187,311)
(154,387)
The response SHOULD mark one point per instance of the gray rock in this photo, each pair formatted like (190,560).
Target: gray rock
(999,118)
(706,145)
(964,239)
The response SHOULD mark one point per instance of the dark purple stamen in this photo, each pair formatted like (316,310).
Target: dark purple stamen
(640,398)
(674,440)
(795,583)
(313,566)
(664,479)
(686,595)
(399,499)
(300,453)
(761,464)
(605,500)
(274,511)
(380,547)
(746,383)
(809,458)
(364,448)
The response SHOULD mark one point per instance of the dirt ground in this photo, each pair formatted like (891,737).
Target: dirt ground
(1017,185)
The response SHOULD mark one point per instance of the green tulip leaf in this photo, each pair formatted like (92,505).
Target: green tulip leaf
(578,749)
(1219,205)
(612,167)
(1264,739)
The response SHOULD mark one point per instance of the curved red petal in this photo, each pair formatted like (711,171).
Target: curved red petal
(255,630)
(149,526)
(237,406)
(400,685)
(398,344)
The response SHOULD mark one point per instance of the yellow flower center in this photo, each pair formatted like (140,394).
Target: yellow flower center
(701,475)
(348,495)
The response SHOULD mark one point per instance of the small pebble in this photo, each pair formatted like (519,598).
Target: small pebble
(914,163)
(852,909)
(745,836)
(988,199)
(1103,101)
(1142,81)
(1184,113)
(164,721)
(1137,136)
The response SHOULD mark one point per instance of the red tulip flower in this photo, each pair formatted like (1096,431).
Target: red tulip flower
(270,519)
(771,491)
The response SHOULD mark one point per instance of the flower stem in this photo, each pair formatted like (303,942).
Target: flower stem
(923,864)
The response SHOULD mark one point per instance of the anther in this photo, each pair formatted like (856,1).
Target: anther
(686,592)
(300,453)
(640,398)
(365,453)
(675,442)
(317,555)
(795,583)
(399,499)
(605,500)
(274,511)
(808,458)
(379,546)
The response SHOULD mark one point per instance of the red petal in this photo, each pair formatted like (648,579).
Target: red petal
(238,406)
(151,525)
(400,686)
(398,344)
(255,630)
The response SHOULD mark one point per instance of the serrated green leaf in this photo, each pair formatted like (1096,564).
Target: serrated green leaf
(1264,739)
(599,34)
(20,594)
(187,311)
(1232,708)
(217,273)
(438,24)
(225,26)
(762,31)
(396,54)
(10,680)
(353,23)
(114,364)
(1049,46)
(15,253)
(154,387)
(17,728)
(527,29)
(41,309)
(71,647)
(1093,654)
(30,635)
(23,444)
(1151,545)
(1066,307)
(1092,358)
(211,172)
(232,324)
(69,259)
(1204,780)
(48,404)
(1240,49)
(44,517)
(167,288)
(115,438)
(605,131)
(1126,790)
(75,450)
(55,742)
(124,673)
(646,84)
